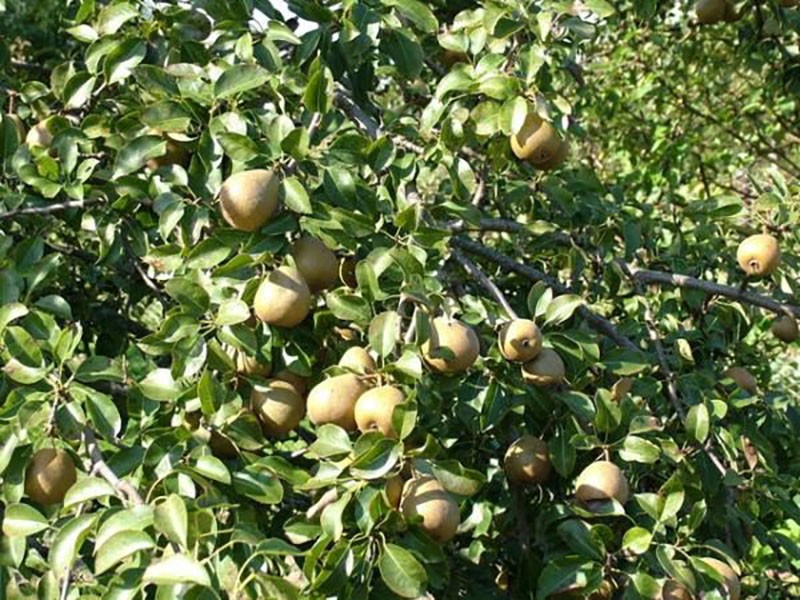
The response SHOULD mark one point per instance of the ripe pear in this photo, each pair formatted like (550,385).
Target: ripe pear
(347,272)
(283,298)
(743,378)
(544,370)
(731,14)
(357,359)
(246,364)
(426,497)
(759,255)
(221,446)
(527,461)
(40,135)
(731,585)
(176,155)
(278,407)
(602,480)
(710,11)
(249,198)
(785,328)
(557,159)
(334,401)
(458,338)
(374,409)
(537,141)
(394,490)
(450,58)
(49,475)
(298,382)
(316,263)
(520,340)
(675,590)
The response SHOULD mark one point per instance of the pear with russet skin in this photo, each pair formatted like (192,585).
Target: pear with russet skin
(759,255)
(743,378)
(545,370)
(457,338)
(537,141)
(357,359)
(425,497)
(283,298)
(316,262)
(249,198)
(784,328)
(50,473)
(374,409)
(520,340)
(334,401)
(527,461)
(601,480)
(278,407)
(731,584)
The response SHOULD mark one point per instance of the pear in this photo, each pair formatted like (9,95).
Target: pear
(357,359)
(785,328)
(537,141)
(40,135)
(759,255)
(249,198)
(246,364)
(520,340)
(221,446)
(527,460)
(49,475)
(347,271)
(316,263)
(278,407)
(334,401)
(557,159)
(425,497)
(601,480)
(176,154)
(675,590)
(710,12)
(394,490)
(374,409)
(743,378)
(450,58)
(298,382)
(283,298)
(458,338)
(731,585)
(544,370)
(731,14)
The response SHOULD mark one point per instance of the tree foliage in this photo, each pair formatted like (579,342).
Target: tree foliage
(128,340)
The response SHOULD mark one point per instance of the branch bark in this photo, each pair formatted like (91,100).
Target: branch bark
(487,283)
(99,466)
(43,210)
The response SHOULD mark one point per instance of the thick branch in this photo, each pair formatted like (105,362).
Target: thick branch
(595,321)
(487,283)
(710,287)
(100,467)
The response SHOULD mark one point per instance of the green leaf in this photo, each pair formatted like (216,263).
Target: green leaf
(601,8)
(562,308)
(698,422)
(10,312)
(231,312)
(120,546)
(115,16)
(331,440)
(259,485)
(136,518)
(121,61)
(401,572)
(378,460)
(78,90)
(172,519)
(406,53)
(562,452)
(192,297)
(88,488)
(239,79)
(319,91)
(636,449)
(137,152)
(383,332)
(417,12)
(578,536)
(331,518)
(160,385)
(637,540)
(458,479)
(213,468)
(23,520)
(176,569)
(295,196)
(68,541)
(349,307)
(167,116)
(103,413)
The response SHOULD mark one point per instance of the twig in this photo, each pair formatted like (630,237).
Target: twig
(100,467)
(480,191)
(487,283)
(369,125)
(507,226)
(595,321)
(41,210)
(710,287)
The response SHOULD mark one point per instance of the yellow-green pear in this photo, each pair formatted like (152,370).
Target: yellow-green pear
(50,473)
(374,409)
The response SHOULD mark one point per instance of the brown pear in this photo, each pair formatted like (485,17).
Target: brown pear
(40,135)
(298,382)
(731,14)
(249,198)
(759,255)
(710,12)
(278,407)
(456,338)
(675,590)
(601,480)
(743,378)
(557,159)
(731,584)
(450,58)
(283,298)
(544,370)
(49,475)
(520,340)
(537,141)
(357,359)
(316,263)
(176,154)
(347,271)
(334,401)
(527,461)
(784,328)
(394,490)
(374,409)
(221,446)
(425,497)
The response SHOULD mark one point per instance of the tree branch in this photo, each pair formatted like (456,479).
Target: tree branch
(100,467)
(51,208)
(487,283)
(595,321)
